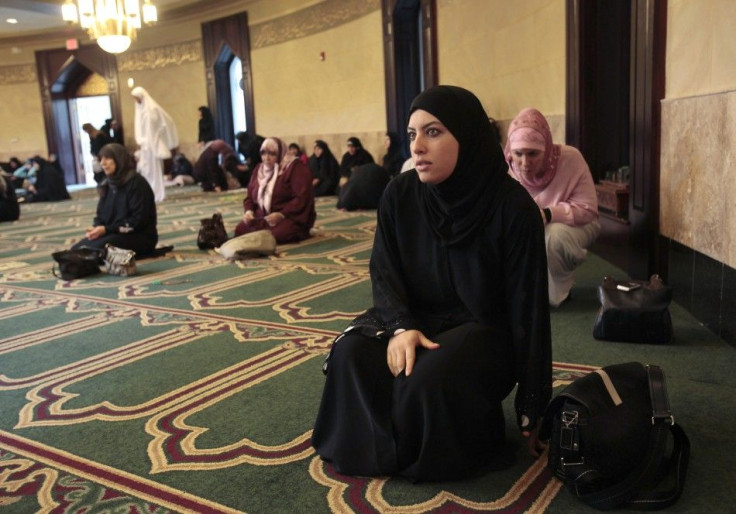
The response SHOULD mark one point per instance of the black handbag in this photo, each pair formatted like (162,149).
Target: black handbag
(76,263)
(608,434)
(212,232)
(634,311)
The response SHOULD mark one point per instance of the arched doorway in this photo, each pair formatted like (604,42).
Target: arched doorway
(62,74)
(226,41)
(410,56)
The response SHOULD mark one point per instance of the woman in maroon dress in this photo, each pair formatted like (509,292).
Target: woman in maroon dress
(280,196)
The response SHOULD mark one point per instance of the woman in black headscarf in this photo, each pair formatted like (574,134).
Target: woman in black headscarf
(206,126)
(460,311)
(50,185)
(325,169)
(354,157)
(126,210)
(394,158)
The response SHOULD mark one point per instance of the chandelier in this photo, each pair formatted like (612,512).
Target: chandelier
(113,23)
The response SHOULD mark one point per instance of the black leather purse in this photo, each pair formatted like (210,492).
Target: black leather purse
(634,311)
(212,233)
(609,439)
(76,263)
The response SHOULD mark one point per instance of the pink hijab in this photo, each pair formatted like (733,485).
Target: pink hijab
(267,175)
(531,130)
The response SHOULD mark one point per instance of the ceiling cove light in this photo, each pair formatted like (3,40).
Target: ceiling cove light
(113,23)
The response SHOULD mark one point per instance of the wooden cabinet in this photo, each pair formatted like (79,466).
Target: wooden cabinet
(613,199)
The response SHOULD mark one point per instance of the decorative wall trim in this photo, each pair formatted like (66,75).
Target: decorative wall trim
(18,74)
(306,22)
(95,85)
(309,21)
(161,56)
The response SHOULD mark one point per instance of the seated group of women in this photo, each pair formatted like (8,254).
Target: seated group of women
(37,180)
(357,180)
(280,199)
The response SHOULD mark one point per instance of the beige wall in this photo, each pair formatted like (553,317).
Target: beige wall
(300,98)
(698,149)
(22,132)
(701,47)
(511,54)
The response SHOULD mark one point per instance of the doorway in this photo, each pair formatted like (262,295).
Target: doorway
(410,56)
(236,94)
(90,109)
(615,81)
(63,76)
(226,47)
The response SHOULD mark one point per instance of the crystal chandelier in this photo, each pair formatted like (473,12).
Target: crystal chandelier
(113,23)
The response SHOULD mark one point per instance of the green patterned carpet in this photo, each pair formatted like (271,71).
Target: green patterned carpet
(127,395)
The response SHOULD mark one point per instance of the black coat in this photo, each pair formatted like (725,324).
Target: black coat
(350,162)
(128,209)
(9,208)
(50,184)
(498,278)
(326,169)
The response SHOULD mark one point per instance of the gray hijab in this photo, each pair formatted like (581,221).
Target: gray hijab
(124,165)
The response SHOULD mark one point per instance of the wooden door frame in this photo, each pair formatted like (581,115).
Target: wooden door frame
(58,71)
(647,89)
(395,120)
(220,36)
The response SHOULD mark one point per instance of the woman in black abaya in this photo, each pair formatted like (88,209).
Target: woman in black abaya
(460,311)
(126,209)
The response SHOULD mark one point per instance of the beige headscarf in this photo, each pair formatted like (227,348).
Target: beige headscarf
(267,175)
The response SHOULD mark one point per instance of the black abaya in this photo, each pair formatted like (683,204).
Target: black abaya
(463,261)
(496,283)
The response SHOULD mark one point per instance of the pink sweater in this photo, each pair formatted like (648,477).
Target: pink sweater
(570,195)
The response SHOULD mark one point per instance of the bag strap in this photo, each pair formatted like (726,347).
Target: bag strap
(638,490)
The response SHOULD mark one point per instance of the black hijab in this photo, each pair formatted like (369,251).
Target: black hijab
(459,206)
(124,167)
(394,158)
(206,125)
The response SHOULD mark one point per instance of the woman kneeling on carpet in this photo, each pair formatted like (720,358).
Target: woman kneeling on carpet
(126,210)
(280,196)
(460,313)
(559,180)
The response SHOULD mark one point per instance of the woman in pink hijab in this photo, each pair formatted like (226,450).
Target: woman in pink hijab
(280,196)
(559,180)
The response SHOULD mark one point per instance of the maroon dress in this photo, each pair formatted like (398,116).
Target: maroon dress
(292,196)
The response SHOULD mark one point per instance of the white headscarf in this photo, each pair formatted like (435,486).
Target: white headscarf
(267,175)
(153,125)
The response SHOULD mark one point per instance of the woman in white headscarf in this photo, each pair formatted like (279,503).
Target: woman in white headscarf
(156,134)
(280,196)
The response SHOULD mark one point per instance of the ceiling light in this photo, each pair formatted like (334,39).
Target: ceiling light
(113,23)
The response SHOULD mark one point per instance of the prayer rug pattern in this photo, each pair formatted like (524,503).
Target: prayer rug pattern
(193,386)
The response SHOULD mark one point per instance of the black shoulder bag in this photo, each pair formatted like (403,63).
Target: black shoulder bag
(76,263)
(634,311)
(609,433)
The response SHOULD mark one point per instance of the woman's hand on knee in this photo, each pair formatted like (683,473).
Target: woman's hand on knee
(401,352)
